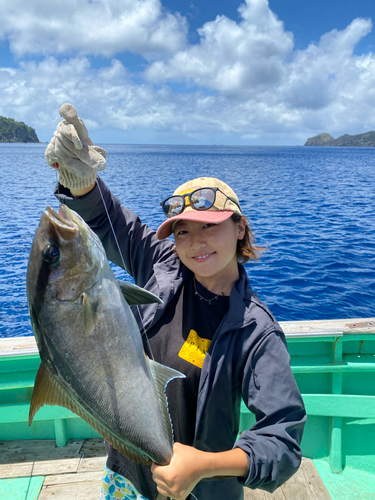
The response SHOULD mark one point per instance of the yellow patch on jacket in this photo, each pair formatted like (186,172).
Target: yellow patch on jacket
(194,349)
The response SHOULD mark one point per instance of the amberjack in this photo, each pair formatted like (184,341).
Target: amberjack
(91,350)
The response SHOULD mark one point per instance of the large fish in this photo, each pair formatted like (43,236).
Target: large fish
(92,357)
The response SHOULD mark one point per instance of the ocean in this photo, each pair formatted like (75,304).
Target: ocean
(313,208)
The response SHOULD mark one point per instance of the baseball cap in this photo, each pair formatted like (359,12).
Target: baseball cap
(225,204)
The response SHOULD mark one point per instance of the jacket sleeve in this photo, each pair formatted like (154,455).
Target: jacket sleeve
(138,248)
(270,392)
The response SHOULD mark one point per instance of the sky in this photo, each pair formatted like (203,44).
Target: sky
(223,72)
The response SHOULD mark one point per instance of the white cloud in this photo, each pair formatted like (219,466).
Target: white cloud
(242,82)
(101,27)
(108,99)
(232,57)
(317,75)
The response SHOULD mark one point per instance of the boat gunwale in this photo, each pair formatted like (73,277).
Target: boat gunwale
(15,346)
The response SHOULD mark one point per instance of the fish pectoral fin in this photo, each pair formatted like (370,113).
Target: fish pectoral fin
(90,313)
(162,375)
(134,294)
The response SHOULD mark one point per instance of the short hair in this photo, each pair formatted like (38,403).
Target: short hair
(247,247)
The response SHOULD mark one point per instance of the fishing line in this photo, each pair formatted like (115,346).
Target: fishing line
(112,228)
(144,331)
(57,181)
(144,334)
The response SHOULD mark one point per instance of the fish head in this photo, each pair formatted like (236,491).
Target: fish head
(66,257)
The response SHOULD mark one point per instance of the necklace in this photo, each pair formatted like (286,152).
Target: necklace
(200,296)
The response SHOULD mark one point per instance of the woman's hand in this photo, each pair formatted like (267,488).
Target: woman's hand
(73,154)
(179,478)
(189,465)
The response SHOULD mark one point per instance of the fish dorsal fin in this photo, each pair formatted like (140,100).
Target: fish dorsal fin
(49,391)
(134,294)
(162,375)
(90,313)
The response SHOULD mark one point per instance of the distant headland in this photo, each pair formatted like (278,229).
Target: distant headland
(12,131)
(366,140)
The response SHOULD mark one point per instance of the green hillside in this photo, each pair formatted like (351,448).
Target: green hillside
(12,131)
(366,140)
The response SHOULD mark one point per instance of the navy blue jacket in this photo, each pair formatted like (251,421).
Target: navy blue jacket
(247,358)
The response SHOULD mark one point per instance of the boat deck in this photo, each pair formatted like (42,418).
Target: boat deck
(62,473)
(333,361)
(31,468)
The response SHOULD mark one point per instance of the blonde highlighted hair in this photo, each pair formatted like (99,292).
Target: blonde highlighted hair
(247,248)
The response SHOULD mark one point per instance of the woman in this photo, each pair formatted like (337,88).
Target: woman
(211,327)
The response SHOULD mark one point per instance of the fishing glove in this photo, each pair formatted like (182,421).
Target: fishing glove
(73,153)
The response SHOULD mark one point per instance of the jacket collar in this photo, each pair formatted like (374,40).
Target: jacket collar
(239,314)
(171,274)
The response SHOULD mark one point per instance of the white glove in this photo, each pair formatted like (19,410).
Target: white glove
(73,153)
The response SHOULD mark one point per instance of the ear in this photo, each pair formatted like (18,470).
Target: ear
(241,228)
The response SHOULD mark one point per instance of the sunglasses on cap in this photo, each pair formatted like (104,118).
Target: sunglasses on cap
(199,199)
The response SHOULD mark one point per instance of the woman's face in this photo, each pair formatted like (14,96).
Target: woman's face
(209,250)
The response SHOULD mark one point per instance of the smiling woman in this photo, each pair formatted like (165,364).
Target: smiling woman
(211,327)
(210,252)
(206,236)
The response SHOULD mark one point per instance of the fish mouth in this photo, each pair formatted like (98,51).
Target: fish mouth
(62,222)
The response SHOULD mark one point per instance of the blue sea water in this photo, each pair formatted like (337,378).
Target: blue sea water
(313,208)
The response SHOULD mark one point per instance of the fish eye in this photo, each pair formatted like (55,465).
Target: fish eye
(51,254)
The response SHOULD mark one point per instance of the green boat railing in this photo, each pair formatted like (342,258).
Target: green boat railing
(333,363)
(17,376)
(335,373)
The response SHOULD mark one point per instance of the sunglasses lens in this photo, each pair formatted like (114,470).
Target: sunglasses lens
(200,199)
(173,206)
(203,199)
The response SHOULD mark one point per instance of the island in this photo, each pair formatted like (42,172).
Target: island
(366,140)
(12,131)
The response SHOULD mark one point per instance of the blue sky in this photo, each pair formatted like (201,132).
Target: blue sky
(308,20)
(254,72)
